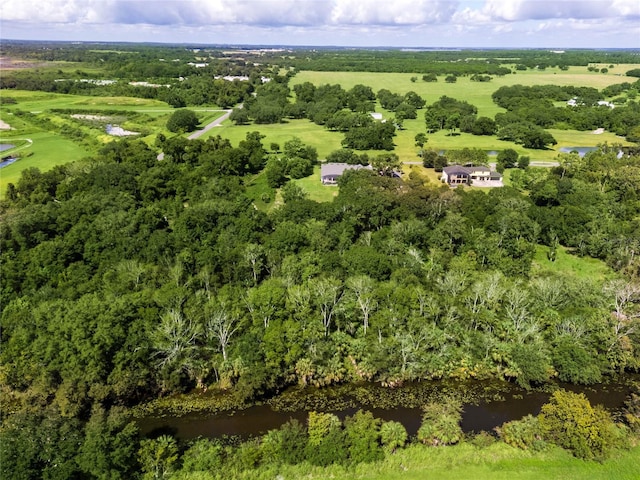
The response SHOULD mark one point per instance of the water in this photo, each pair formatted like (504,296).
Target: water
(6,146)
(582,151)
(476,417)
(8,161)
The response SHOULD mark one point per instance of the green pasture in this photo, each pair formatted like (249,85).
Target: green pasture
(476,93)
(47,151)
(467,462)
(567,263)
(310,134)
(41,101)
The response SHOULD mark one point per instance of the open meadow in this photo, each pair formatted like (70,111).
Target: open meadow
(476,93)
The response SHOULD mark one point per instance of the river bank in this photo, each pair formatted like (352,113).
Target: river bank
(486,405)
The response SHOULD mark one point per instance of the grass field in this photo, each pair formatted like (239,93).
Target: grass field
(41,101)
(47,151)
(467,462)
(476,93)
(569,264)
(310,133)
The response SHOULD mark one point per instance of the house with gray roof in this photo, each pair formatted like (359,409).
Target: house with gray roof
(330,172)
(479,176)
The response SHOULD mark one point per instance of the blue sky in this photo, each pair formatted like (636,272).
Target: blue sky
(411,23)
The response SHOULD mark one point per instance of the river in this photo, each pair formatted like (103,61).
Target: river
(490,409)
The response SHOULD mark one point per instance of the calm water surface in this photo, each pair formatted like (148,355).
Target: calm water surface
(483,416)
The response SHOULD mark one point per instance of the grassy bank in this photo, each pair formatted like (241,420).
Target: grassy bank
(495,462)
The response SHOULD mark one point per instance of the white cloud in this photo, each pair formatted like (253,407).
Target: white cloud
(215,12)
(336,22)
(522,10)
(398,12)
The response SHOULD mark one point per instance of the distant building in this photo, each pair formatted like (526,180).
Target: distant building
(331,172)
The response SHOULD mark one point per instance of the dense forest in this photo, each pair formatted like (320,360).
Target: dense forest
(124,279)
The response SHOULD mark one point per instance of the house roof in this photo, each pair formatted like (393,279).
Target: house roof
(479,168)
(456,169)
(337,169)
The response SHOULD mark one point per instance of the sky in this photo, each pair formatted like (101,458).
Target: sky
(357,23)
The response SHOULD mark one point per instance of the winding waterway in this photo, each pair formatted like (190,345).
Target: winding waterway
(491,408)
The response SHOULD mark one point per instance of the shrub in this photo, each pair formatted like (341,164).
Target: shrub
(524,433)
(441,423)
(393,435)
(362,432)
(571,422)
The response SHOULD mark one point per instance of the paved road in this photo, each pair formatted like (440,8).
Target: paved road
(207,127)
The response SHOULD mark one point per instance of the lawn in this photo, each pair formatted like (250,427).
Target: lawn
(467,462)
(47,150)
(310,134)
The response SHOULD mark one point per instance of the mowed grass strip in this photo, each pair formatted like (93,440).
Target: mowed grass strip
(467,462)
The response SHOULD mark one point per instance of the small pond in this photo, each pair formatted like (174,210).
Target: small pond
(118,131)
(6,146)
(482,415)
(8,161)
(582,151)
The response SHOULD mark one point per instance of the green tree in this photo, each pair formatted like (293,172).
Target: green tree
(239,116)
(326,439)
(158,457)
(182,120)
(386,164)
(507,157)
(203,455)
(109,447)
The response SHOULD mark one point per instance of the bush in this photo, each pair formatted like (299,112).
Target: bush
(571,422)
(483,440)
(524,433)
(441,423)
(393,435)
